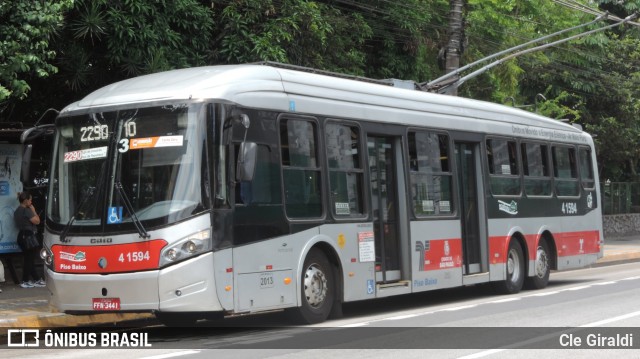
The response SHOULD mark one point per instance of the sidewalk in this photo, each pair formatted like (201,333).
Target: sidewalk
(25,308)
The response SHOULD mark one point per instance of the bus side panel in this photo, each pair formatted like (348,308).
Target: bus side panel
(436,255)
(223,274)
(265,272)
(189,286)
(357,257)
(580,242)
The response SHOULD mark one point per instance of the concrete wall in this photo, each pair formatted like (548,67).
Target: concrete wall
(621,225)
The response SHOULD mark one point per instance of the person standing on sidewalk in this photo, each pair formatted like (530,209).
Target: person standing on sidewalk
(26,219)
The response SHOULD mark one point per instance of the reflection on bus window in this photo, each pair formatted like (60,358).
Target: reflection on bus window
(586,168)
(565,171)
(431,178)
(503,167)
(535,163)
(345,170)
(300,171)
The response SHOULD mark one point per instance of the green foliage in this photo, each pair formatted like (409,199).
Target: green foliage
(27,28)
(54,52)
(134,37)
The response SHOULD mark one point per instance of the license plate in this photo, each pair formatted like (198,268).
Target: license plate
(266,280)
(106,303)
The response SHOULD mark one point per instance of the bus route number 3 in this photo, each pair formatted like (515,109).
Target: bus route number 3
(134,257)
(266,280)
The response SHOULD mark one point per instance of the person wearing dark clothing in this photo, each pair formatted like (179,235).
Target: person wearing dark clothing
(26,219)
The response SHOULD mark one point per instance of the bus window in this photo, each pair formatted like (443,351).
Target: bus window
(586,168)
(431,178)
(345,170)
(258,211)
(535,163)
(503,167)
(565,171)
(264,189)
(300,171)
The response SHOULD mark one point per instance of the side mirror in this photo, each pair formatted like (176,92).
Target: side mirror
(26,163)
(247,155)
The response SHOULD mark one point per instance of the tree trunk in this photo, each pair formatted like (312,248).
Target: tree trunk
(454,46)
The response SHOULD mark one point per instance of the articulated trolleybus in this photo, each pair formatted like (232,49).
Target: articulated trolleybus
(230,190)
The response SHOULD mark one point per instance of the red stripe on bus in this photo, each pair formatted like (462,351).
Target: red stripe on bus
(108,258)
(567,244)
(443,254)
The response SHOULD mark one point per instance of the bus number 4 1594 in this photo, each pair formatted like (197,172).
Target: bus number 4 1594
(134,257)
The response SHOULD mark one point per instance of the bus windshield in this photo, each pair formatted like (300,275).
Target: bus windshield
(128,168)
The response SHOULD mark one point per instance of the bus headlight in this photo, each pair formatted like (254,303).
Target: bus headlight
(187,247)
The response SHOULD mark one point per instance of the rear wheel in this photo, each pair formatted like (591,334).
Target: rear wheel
(317,288)
(515,270)
(540,277)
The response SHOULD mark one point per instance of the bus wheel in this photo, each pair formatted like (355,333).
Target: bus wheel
(317,287)
(540,277)
(515,270)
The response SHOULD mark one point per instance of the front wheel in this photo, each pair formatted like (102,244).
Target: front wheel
(317,288)
(540,277)
(515,270)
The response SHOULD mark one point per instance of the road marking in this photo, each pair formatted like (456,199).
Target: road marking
(459,308)
(400,317)
(355,325)
(506,300)
(611,320)
(173,355)
(482,354)
(544,294)
(579,288)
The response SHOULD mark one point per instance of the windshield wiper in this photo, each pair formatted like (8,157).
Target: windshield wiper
(136,221)
(85,199)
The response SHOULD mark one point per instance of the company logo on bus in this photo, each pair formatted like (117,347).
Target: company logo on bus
(101,240)
(511,208)
(77,257)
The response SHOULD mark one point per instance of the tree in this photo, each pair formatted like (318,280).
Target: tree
(104,41)
(28,28)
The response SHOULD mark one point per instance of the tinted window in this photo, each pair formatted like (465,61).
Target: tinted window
(503,167)
(431,179)
(535,163)
(565,171)
(300,171)
(345,170)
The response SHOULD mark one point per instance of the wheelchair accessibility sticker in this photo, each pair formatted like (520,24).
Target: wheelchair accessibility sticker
(115,215)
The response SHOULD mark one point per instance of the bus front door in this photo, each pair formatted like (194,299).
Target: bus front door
(470,194)
(384,201)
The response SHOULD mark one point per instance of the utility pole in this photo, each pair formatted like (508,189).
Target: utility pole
(453,50)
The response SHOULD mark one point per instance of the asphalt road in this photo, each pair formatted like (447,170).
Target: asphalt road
(578,309)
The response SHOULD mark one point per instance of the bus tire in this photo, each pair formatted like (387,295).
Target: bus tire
(317,289)
(542,268)
(515,268)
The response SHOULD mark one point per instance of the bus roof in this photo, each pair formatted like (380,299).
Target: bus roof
(287,90)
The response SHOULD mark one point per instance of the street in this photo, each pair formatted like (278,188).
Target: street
(471,322)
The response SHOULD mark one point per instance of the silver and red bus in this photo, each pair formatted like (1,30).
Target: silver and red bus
(230,190)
